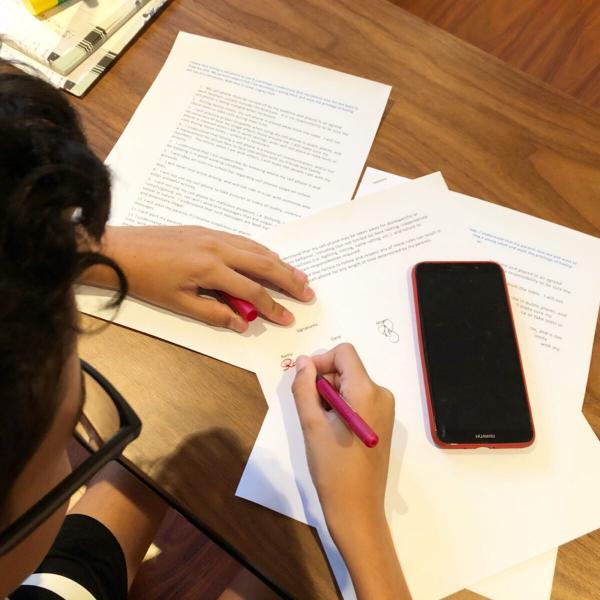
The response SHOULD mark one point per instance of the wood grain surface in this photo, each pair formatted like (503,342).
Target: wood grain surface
(495,133)
(556,41)
(189,566)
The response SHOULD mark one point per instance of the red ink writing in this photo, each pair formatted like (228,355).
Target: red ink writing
(288,363)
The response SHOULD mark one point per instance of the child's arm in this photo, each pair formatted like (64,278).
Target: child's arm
(167,265)
(351,478)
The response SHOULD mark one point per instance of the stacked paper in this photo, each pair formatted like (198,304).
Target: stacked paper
(515,504)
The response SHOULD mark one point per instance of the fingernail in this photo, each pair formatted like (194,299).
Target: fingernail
(308,292)
(238,324)
(287,316)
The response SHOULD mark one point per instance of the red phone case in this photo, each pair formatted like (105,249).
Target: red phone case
(432,426)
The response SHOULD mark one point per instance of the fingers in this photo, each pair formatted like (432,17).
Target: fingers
(272,269)
(343,360)
(244,243)
(222,263)
(304,389)
(241,287)
(210,311)
(349,375)
(234,257)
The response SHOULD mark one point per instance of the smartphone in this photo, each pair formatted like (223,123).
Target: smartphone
(474,381)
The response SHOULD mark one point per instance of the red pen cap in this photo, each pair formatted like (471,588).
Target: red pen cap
(245,309)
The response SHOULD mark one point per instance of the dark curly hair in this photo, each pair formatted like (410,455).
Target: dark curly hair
(54,204)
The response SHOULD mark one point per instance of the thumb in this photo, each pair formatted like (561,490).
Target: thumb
(304,388)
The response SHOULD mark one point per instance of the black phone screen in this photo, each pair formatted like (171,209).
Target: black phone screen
(476,385)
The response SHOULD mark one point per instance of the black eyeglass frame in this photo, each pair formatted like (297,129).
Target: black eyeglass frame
(129,429)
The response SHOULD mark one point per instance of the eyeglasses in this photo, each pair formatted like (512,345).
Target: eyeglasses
(107,425)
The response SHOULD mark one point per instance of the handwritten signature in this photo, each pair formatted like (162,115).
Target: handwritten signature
(288,363)
(386,329)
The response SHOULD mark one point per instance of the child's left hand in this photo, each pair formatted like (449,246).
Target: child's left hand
(168,265)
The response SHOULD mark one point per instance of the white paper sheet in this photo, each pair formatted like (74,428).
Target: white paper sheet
(375,180)
(239,140)
(532,579)
(492,498)
(587,458)
(552,273)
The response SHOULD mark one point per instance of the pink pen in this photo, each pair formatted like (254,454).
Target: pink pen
(352,419)
(245,309)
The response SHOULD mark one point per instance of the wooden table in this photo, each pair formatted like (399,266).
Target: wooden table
(493,132)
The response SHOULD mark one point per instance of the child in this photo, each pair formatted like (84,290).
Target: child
(54,204)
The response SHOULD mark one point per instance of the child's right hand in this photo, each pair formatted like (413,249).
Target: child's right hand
(350,478)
